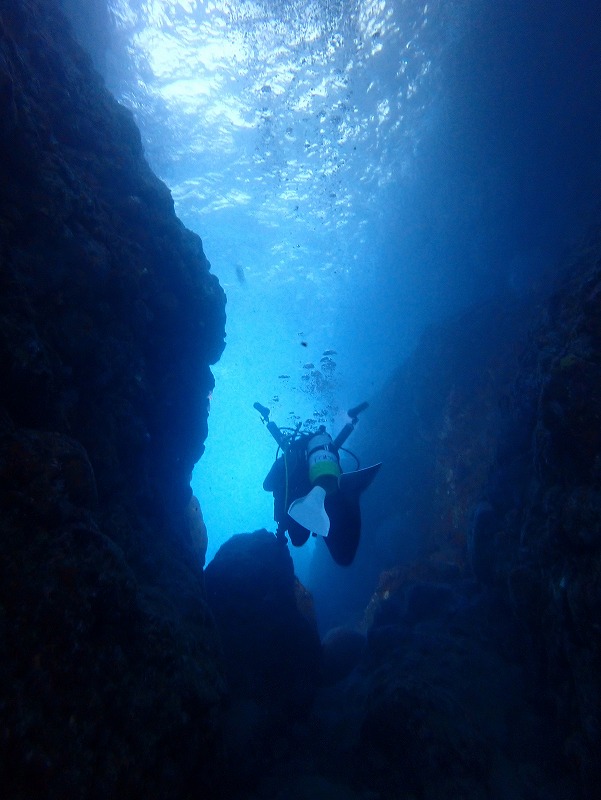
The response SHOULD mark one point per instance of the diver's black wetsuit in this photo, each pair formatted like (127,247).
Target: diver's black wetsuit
(289,481)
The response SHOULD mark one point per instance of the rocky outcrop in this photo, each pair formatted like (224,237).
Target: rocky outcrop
(442,703)
(109,321)
(271,648)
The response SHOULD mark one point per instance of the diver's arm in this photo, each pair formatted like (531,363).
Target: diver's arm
(350,426)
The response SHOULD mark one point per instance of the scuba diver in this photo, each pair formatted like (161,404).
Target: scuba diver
(311,493)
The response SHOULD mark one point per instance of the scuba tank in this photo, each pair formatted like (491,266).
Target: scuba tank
(322,460)
(324,470)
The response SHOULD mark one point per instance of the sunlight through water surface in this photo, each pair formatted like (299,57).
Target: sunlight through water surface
(286,132)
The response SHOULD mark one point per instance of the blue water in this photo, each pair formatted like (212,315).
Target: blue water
(356,169)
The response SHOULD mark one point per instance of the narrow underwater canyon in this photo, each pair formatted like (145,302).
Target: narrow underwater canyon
(129,670)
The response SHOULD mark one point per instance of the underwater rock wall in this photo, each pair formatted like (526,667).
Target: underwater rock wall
(111,314)
(499,488)
(542,540)
(109,321)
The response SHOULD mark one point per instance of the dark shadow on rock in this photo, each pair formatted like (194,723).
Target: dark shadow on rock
(342,651)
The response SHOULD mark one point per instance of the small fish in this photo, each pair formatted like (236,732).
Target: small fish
(304,344)
(330,353)
(240,274)
(284,377)
(309,365)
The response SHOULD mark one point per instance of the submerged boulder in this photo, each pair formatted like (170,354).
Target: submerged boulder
(271,648)
(272,651)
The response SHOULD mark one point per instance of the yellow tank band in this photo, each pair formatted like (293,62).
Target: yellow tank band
(322,468)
